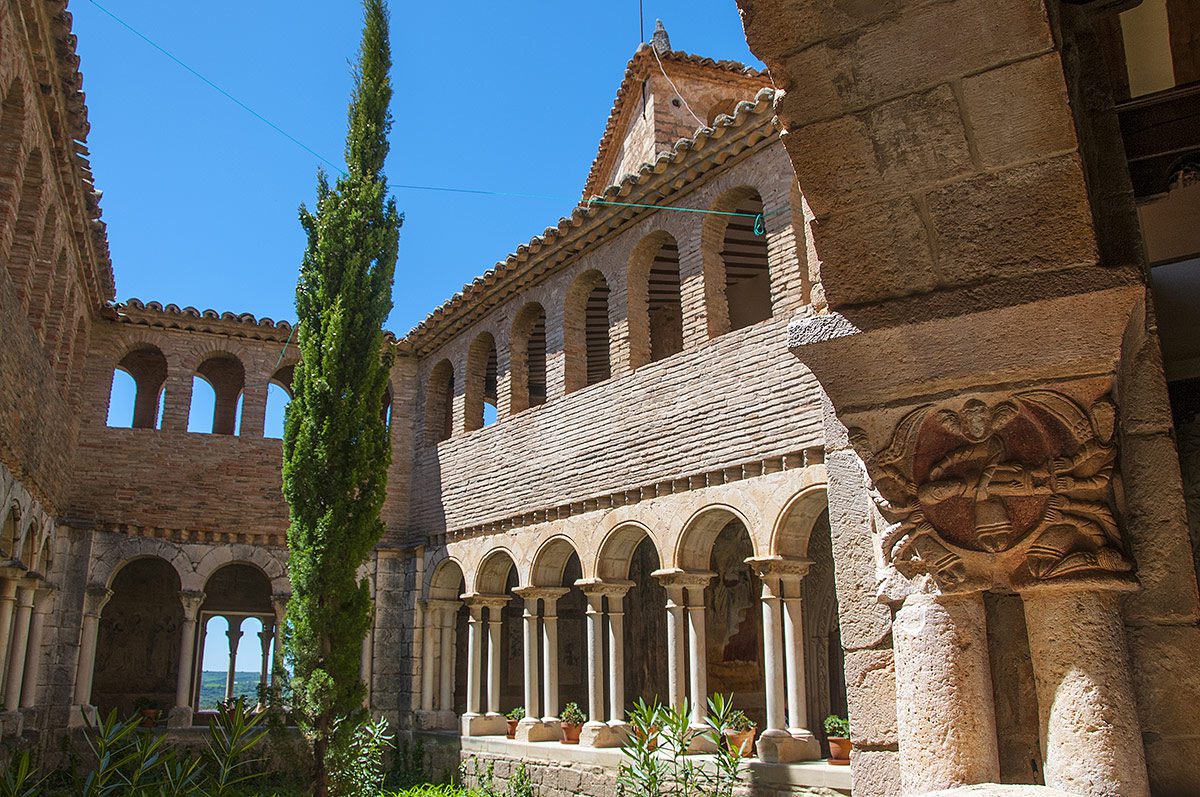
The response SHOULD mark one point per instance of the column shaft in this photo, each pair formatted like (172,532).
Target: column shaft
(16,653)
(446,674)
(772,650)
(697,654)
(429,632)
(494,654)
(616,661)
(183,679)
(676,653)
(474,658)
(550,658)
(793,647)
(1092,741)
(8,599)
(531,657)
(595,649)
(235,637)
(946,719)
(33,658)
(85,667)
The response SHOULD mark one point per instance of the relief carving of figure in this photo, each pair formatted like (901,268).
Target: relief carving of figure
(1019,490)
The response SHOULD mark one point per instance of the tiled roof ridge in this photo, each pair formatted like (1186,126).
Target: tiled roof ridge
(763,102)
(645,53)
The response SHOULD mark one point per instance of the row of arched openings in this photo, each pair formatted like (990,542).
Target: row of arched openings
(655,289)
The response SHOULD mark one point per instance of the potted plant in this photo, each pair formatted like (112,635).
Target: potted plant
(837,733)
(572,720)
(739,732)
(149,709)
(513,717)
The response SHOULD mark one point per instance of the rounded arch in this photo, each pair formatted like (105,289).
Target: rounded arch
(446,581)
(146,364)
(737,275)
(238,587)
(217,558)
(527,358)
(481,381)
(586,336)
(655,299)
(492,576)
(617,549)
(793,528)
(105,567)
(700,532)
(439,403)
(226,375)
(550,562)
(279,395)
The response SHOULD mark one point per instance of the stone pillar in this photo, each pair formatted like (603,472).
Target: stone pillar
(616,657)
(776,743)
(180,715)
(793,650)
(8,600)
(474,659)
(595,725)
(446,670)
(33,658)
(946,719)
(697,654)
(533,728)
(93,604)
(676,650)
(265,637)
(1092,740)
(530,619)
(550,658)
(483,632)
(19,646)
(429,630)
(177,403)
(235,636)
(495,652)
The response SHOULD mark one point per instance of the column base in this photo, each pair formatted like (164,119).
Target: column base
(12,723)
(777,746)
(600,734)
(484,725)
(179,717)
(428,720)
(81,715)
(535,730)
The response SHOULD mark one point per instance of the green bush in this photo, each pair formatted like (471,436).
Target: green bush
(837,727)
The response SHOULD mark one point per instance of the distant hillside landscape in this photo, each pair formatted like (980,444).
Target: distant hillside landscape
(212,687)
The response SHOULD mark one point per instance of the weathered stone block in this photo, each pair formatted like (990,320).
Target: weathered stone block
(1164,660)
(871,693)
(1019,112)
(849,178)
(875,772)
(919,139)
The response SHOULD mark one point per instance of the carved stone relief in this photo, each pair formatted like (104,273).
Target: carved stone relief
(1010,493)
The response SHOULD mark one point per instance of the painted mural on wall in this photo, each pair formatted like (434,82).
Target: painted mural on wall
(733,621)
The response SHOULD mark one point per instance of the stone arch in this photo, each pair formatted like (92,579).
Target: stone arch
(147,366)
(105,567)
(550,562)
(446,581)
(737,269)
(700,532)
(792,529)
(439,403)
(527,358)
(226,374)
(655,299)
(22,245)
(491,577)
(617,549)
(587,336)
(481,380)
(12,132)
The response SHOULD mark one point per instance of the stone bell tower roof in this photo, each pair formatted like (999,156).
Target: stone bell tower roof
(665,95)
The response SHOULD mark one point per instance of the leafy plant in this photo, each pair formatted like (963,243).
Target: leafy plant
(517,713)
(727,763)
(111,742)
(335,446)
(19,778)
(738,722)
(519,783)
(837,727)
(571,715)
(232,735)
(358,764)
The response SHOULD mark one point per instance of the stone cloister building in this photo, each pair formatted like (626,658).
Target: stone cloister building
(906,429)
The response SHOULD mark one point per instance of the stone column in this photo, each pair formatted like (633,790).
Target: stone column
(446,670)
(793,650)
(495,652)
(474,658)
(235,636)
(616,657)
(180,715)
(198,667)
(550,655)
(1092,740)
(533,728)
(33,658)
(8,600)
(676,641)
(946,721)
(475,722)
(265,637)
(19,646)
(429,639)
(595,666)
(93,604)
(530,619)
(697,654)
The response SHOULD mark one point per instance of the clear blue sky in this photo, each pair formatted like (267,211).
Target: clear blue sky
(200,197)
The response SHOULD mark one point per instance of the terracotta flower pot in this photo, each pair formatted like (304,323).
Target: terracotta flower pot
(839,750)
(512,728)
(571,733)
(741,740)
(653,744)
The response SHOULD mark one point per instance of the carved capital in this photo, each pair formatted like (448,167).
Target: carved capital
(610,589)
(1009,492)
(95,598)
(683,578)
(192,600)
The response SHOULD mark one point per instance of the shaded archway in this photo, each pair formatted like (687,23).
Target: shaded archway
(527,358)
(498,577)
(235,593)
(744,271)
(137,652)
(733,624)
(586,337)
(655,300)
(481,382)
(147,367)
(439,403)
(226,376)
(557,567)
(279,395)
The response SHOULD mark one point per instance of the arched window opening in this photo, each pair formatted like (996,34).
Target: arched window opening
(279,395)
(733,625)
(665,303)
(21,249)
(12,125)
(528,355)
(747,275)
(586,331)
(482,379)
(137,652)
(237,647)
(439,403)
(12,528)
(137,389)
(226,377)
(723,107)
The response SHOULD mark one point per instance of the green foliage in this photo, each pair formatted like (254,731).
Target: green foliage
(571,715)
(517,713)
(657,763)
(837,727)
(20,779)
(232,735)
(357,768)
(335,446)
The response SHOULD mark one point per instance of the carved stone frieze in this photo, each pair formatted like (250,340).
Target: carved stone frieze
(1011,493)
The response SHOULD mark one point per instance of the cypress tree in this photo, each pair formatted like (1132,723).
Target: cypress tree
(335,446)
